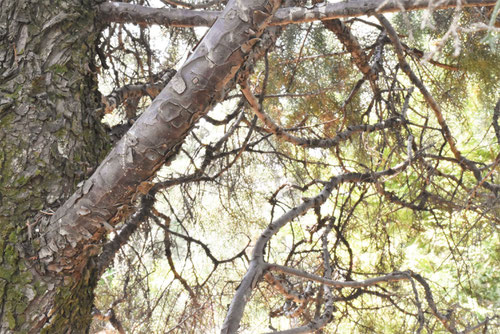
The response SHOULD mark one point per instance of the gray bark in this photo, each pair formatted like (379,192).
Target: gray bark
(173,17)
(128,13)
(50,140)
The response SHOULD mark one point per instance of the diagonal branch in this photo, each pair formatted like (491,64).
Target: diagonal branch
(109,195)
(122,94)
(352,45)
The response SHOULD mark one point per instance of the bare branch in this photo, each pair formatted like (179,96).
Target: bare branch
(313,143)
(363,7)
(393,277)
(352,45)
(171,17)
(120,95)
(174,17)
(258,266)
(193,6)
(131,225)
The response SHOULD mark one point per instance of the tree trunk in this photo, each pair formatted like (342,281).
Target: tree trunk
(50,140)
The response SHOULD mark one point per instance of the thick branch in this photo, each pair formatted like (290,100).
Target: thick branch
(170,17)
(120,95)
(108,196)
(193,6)
(127,13)
(364,7)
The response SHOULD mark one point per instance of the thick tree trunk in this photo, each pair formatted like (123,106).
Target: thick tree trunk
(50,140)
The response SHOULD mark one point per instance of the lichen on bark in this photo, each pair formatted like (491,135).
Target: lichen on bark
(49,139)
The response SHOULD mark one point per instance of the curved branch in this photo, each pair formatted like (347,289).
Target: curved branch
(313,143)
(393,277)
(258,266)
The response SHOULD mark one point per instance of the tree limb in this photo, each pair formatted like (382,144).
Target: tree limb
(108,196)
(173,17)
(393,277)
(120,95)
(122,12)
(258,266)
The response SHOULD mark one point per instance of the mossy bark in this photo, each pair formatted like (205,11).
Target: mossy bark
(50,140)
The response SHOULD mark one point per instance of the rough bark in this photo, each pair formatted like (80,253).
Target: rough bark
(351,8)
(128,13)
(49,140)
(49,88)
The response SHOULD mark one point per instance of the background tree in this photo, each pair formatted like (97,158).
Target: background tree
(359,163)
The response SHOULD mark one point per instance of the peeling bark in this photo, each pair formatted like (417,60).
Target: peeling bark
(49,140)
(364,7)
